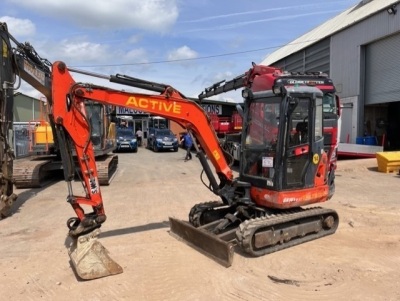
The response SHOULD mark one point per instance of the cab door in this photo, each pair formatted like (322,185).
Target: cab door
(304,141)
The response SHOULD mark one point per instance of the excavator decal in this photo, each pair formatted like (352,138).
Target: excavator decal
(5,49)
(146,103)
(216,155)
(94,186)
(34,72)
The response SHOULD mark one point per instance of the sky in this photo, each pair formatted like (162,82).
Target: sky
(188,45)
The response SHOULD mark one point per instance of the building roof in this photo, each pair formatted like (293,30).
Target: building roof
(349,17)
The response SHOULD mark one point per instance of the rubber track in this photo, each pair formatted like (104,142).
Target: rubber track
(29,173)
(247,229)
(198,209)
(32,172)
(106,169)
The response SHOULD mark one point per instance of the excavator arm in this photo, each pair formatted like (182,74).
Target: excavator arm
(22,61)
(72,125)
(31,68)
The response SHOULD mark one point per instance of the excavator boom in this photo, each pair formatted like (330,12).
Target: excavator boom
(72,124)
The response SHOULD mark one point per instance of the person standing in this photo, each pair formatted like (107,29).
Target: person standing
(187,139)
(139,136)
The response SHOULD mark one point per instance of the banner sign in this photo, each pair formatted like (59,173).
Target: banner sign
(215,109)
(129,111)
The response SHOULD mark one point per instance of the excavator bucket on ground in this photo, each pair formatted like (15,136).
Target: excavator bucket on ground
(218,247)
(90,258)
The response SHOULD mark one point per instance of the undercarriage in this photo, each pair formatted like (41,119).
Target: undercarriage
(38,171)
(217,229)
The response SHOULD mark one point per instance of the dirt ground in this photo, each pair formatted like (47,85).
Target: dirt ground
(359,262)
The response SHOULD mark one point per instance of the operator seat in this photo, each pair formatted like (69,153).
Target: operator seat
(302,132)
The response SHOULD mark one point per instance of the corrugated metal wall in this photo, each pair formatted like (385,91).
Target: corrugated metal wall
(26,108)
(314,58)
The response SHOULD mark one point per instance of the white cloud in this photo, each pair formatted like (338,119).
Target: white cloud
(251,22)
(76,51)
(152,15)
(182,53)
(136,56)
(227,75)
(19,27)
(312,6)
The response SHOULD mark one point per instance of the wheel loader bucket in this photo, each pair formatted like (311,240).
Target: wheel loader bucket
(202,240)
(90,258)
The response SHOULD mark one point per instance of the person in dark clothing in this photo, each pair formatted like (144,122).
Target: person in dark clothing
(187,139)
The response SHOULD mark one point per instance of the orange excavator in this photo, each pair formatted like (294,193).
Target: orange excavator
(283,167)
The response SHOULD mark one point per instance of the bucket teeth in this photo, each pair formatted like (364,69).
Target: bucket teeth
(90,258)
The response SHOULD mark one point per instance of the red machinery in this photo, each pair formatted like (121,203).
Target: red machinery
(225,125)
(265,78)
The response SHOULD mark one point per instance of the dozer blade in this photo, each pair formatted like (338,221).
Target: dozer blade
(203,241)
(90,258)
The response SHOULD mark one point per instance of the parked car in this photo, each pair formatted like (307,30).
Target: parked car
(162,139)
(126,140)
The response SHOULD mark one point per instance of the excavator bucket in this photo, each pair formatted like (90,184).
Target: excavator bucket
(90,259)
(220,248)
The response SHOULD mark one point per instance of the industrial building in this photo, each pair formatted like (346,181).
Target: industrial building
(359,50)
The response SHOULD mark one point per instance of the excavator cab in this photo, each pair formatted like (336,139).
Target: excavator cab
(282,142)
(103,129)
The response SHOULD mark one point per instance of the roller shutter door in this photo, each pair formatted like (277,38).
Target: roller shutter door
(382,71)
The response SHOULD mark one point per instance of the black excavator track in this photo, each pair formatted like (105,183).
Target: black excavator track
(106,168)
(35,172)
(272,233)
(215,229)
